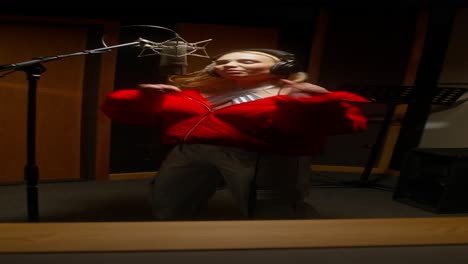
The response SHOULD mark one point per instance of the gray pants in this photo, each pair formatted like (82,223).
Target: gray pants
(190,175)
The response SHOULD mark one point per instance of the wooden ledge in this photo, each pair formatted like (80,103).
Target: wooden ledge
(217,235)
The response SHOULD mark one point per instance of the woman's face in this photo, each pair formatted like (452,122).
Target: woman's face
(244,66)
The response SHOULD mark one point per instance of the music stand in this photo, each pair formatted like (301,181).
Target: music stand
(392,96)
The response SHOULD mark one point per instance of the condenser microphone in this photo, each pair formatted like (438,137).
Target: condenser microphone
(173,57)
(173,53)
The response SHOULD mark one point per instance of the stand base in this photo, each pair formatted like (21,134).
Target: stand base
(32,200)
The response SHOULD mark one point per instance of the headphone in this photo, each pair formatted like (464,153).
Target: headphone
(285,66)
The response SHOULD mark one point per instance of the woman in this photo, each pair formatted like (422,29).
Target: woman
(220,119)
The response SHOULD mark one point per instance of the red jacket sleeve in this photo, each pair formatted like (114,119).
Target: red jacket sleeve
(326,114)
(134,107)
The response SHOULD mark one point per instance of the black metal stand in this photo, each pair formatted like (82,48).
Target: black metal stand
(33,70)
(392,96)
(376,149)
(31,171)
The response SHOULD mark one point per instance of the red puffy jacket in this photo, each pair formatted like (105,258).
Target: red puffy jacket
(280,124)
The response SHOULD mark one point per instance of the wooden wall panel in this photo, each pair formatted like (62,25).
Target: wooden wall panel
(58,101)
(61,116)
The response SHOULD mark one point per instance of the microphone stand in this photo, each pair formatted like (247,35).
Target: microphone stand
(33,70)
